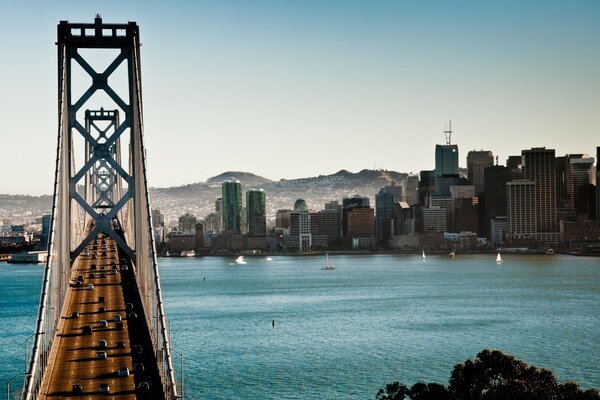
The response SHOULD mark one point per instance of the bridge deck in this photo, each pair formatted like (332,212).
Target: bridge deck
(77,360)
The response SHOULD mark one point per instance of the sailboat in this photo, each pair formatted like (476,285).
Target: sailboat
(423,254)
(328,266)
(498,259)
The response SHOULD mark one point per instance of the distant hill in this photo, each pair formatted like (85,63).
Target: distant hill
(245,178)
(199,198)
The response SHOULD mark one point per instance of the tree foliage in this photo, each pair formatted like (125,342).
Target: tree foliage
(492,375)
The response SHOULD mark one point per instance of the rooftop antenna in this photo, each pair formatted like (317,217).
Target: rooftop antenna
(496,160)
(448,133)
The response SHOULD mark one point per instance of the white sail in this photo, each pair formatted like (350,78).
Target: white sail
(423,255)
(498,258)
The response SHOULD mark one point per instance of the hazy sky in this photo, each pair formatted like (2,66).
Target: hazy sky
(290,89)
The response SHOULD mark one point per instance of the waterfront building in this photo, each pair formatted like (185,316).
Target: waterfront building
(477,162)
(434,218)
(199,238)
(466,214)
(325,223)
(521,209)
(499,227)
(46,222)
(580,234)
(494,195)
(158,218)
(347,204)
(384,208)
(580,176)
(360,224)
(231,206)
(300,225)
(404,220)
(212,222)
(539,166)
(180,243)
(444,202)
(187,223)
(256,211)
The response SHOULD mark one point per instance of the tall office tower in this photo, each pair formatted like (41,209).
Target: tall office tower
(412,184)
(446,164)
(396,190)
(521,208)
(325,224)
(426,187)
(231,206)
(539,166)
(187,223)
(347,204)
(477,161)
(466,214)
(494,195)
(446,159)
(434,218)
(335,207)
(580,176)
(256,213)
(384,210)
(562,182)
(300,225)
(360,223)
(46,223)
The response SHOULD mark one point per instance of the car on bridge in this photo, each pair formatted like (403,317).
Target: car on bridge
(123,371)
(104,388)
(103,323)
(90,286)
(101,355)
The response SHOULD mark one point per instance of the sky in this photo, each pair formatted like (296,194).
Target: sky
(288,89)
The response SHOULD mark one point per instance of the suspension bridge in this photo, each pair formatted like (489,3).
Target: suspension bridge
(101,327)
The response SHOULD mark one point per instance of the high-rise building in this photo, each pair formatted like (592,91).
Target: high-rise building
(411,192)
(187,223)
(514,162)
(477,161)
(521,209)
(158,218)
(443,202)
(199,238)
(256,211)
(384,209)
(466,214)
(495,179)
(580,174)
(446,159)
(360,223)
(231,206)
(325,223)
(46,224)
(539,166)
(347,204)
(434,218)
(300,225)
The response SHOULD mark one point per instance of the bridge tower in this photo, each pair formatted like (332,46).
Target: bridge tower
(104,194)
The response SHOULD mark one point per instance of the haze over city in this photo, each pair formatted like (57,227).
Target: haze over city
(288,90)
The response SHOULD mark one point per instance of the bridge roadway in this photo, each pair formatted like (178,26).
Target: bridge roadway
(77,359)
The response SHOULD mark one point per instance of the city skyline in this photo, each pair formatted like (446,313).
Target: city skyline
(374,82)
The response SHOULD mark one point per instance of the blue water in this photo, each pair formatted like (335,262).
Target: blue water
(347,332)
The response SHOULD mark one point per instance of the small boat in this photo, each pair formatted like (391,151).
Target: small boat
(328,266)
(240,260)
(452,254)
(498,259)
(423,255)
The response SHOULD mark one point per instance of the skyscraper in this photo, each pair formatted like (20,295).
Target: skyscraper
(256,211)
(384,208)
(347,204)
(446,159)
(495,179)
(539,166)
(426,187)
(477,161)
(231,206)
(580,173)
(300,225)
(521,208)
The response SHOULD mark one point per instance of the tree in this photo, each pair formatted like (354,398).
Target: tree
(492,375)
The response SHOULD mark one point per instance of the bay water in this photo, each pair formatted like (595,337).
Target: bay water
(346,332)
